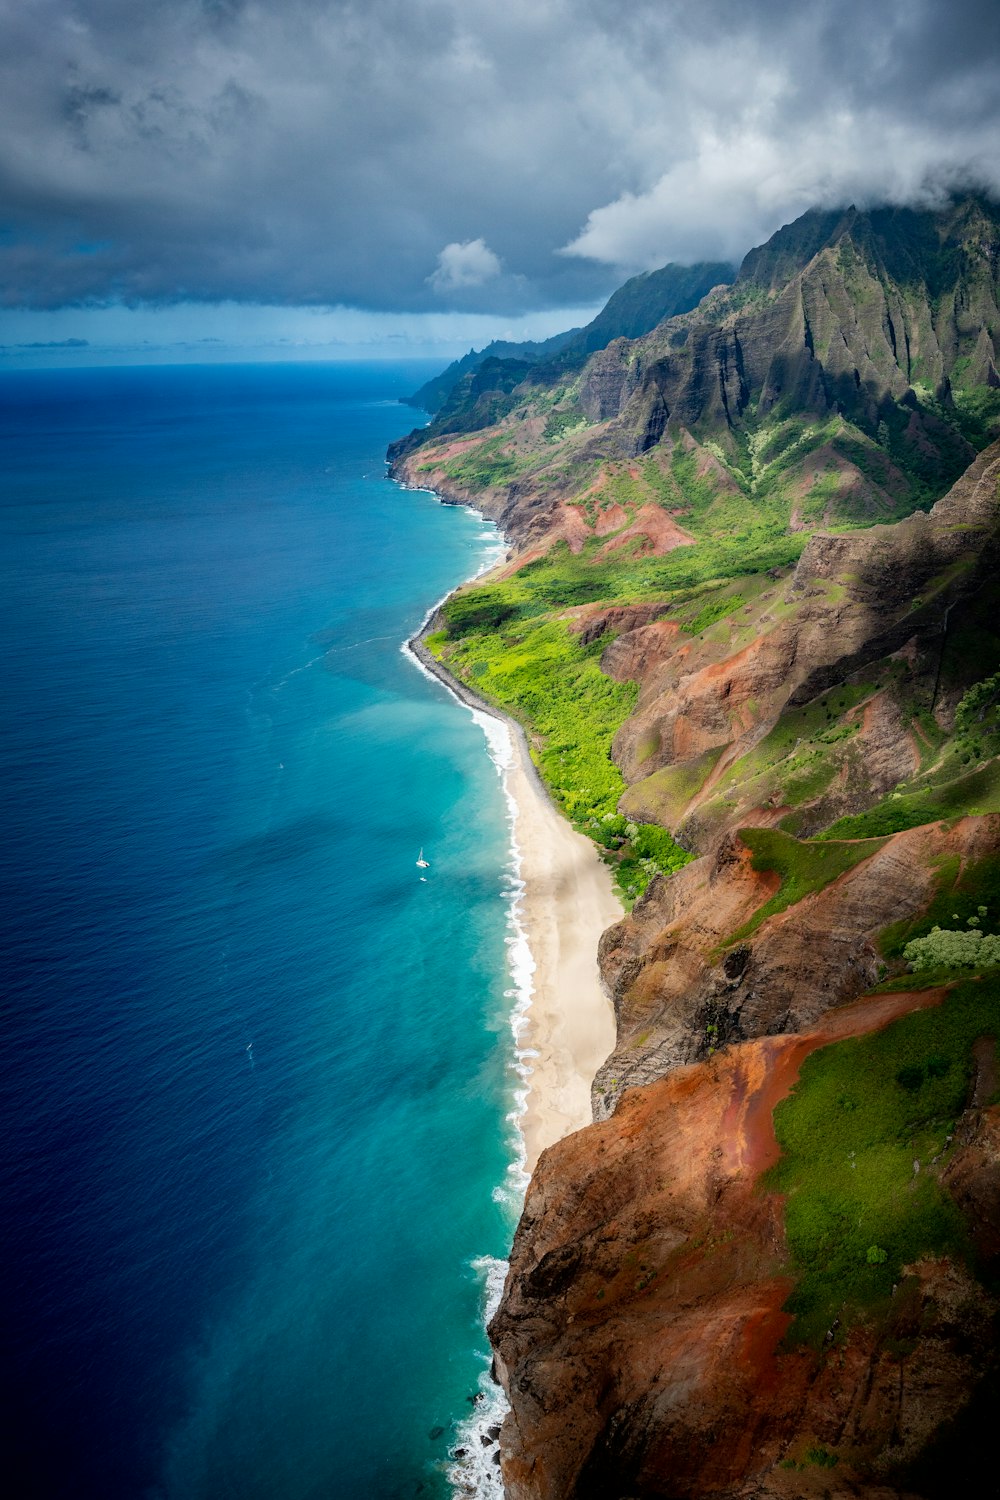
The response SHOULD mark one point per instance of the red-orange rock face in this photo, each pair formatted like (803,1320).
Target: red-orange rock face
(640,1335)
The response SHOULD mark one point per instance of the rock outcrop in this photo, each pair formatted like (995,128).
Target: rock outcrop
(640,1337)
(681,987)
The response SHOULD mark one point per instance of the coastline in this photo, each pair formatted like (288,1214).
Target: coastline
(560,899)
(565,1027)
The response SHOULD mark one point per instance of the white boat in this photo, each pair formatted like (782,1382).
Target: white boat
(422,864)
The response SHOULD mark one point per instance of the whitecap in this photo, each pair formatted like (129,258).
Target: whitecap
(472,1467)
(473,1470)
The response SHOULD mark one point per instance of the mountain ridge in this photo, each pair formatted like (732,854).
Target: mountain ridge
(633,309)
(749,626)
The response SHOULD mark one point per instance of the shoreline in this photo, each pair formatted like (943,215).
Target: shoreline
(564,1027)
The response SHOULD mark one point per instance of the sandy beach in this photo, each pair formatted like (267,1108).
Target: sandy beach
(568,901)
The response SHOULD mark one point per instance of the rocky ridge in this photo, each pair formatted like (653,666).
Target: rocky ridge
(642,1338)
(834,370)
(635,308)
(819,734)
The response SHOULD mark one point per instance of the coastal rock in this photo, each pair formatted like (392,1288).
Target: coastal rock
(640,1336)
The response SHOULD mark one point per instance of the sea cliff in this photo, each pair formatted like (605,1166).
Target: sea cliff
(749,624)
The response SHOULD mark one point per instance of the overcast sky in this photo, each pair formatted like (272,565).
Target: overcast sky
(500,158)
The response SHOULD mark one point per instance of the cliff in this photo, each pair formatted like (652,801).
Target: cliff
(645,1339)
(750,625)
(847,375)
(643,1334)
(634,309)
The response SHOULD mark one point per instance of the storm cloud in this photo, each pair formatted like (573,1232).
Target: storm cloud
(434,154)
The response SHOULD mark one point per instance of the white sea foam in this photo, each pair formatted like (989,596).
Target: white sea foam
(473,1469)
(494,551)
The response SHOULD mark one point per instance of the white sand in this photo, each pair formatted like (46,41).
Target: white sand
(568,901)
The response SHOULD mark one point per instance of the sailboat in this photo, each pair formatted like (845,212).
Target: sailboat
(422,864)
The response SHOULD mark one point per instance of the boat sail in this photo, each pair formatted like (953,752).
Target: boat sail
(422,864)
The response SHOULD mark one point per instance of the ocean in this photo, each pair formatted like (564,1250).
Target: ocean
(258,1075)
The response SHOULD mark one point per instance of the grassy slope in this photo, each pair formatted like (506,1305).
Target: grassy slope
(864,1110)
(862,1114)
(804,866)
(533,667)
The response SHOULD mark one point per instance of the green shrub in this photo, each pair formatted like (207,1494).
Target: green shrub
(942,949)
(980,697)
(652,842)
(966,896)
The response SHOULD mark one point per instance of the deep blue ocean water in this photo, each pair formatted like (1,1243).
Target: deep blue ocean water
(255,1073)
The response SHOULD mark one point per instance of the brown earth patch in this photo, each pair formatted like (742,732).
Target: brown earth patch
(611,519)
(569,525)
(656,527)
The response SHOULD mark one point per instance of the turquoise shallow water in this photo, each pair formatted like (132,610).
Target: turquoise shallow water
(257,1074)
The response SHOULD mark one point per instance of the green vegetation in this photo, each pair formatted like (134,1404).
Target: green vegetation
(821,1457)
(485,464)
(794,760)
(540,673)
(561,424)
(945,948)
(964,900)
(562,578)
(544,677)
(977,712)
(977,792)
(669,791)
(945,788)
(928,469)
(862,1114)
(978,412)
(804,865)
(715,609)
(649,851)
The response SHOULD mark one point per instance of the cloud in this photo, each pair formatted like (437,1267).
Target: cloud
(321,152)
(737,187)
(462,265)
